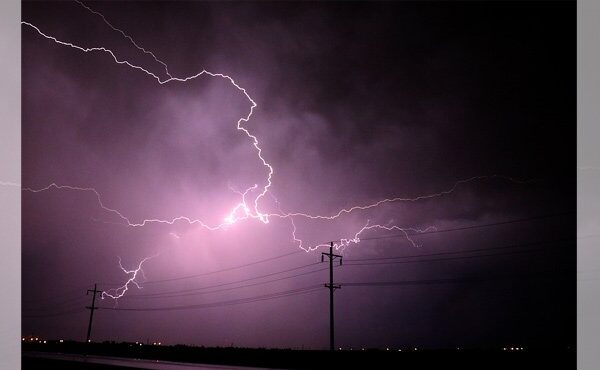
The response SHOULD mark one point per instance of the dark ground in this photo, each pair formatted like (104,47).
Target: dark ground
(305,359)
(43,363)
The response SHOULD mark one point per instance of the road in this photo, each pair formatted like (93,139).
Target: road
(130,362)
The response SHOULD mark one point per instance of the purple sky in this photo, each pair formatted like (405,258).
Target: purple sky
(356,103)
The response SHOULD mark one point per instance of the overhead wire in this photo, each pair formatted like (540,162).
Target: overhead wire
(350,262)
(222,270)
(174,294)
(276,295)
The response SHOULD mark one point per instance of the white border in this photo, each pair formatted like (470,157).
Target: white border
(10,197)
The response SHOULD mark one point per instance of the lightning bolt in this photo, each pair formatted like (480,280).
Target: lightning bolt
(247,208)
(401,199)
(120,291)
(346,242)
(252,212)
(127,37)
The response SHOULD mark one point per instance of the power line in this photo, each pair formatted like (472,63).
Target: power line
(447,259)
(68,302)
(62,313)
(361,262)
(366,261)
(448,280)
(459,252)
(197,291)
(68,293)
(281,294)
(222,270)
(237,281)
(314,288)
(171,295)
(193,292)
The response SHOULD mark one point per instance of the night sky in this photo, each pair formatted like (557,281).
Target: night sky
(356,102)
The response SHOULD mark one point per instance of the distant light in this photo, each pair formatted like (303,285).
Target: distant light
(31,339)
(362,349)
(61,340)
(44,342)
(340,348)
(36,338)
(22,338)
(415,348)
(159,343)
(387,349)
(399,350)
(512,349)
(504,349)
(140,344)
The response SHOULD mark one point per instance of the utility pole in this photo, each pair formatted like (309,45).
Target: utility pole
(91,308)
(331,287)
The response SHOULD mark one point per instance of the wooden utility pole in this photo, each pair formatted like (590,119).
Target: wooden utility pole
(331,288)
(91,308)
